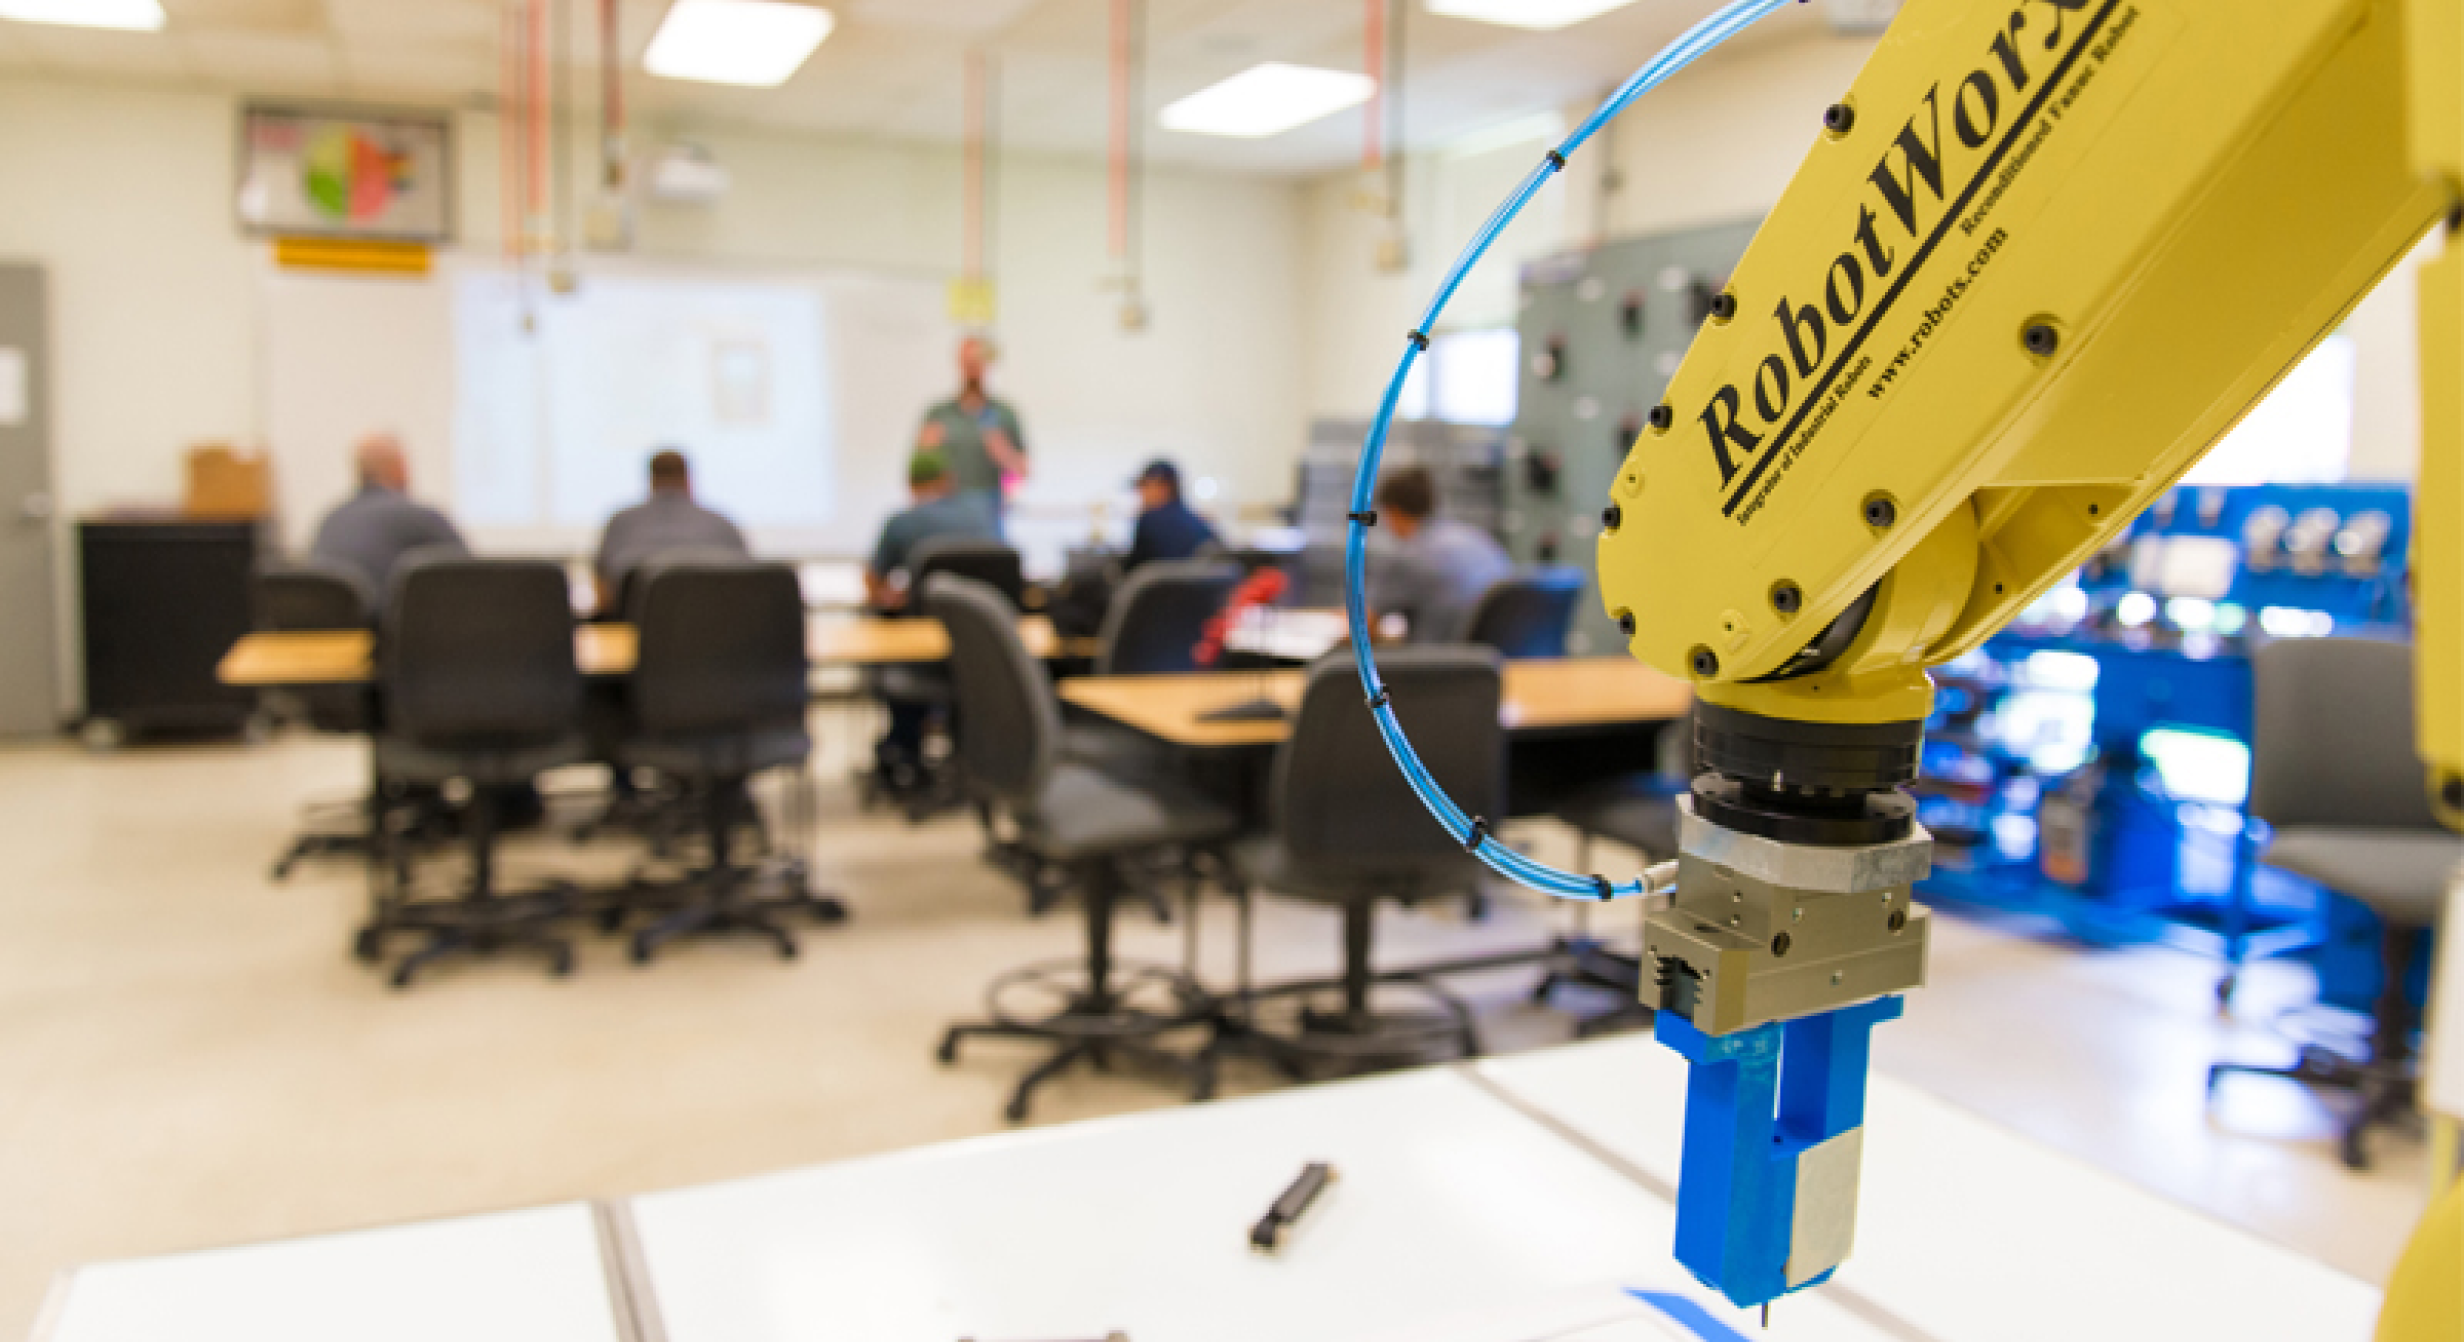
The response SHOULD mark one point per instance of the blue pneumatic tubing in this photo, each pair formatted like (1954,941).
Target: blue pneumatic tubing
(1731,20)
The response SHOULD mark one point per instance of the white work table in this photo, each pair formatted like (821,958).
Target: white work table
(1496,1202)
(526,1276)
(1970,1233)
(1449,1205)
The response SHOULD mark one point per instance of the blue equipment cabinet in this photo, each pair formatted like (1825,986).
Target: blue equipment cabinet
(2092,761)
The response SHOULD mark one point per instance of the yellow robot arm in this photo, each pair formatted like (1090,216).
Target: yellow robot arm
(2044,254)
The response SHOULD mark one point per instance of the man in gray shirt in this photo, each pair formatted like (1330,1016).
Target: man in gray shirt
(668,521)
(1435,573)
(373,529)
(976,433)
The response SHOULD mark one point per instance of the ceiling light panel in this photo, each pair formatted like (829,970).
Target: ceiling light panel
(137,16)
(753,43)
(1267,99)
(1539,15)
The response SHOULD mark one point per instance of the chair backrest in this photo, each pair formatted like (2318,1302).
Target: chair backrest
(311,594)
(625,603)
(989,562)
(1009,736)
(2332,743)
(315,594)
(1528,614)
(1159,616)
(722,648)
(479,652)
(1340,803)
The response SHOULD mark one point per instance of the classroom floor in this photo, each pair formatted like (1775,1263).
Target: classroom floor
(189,1058)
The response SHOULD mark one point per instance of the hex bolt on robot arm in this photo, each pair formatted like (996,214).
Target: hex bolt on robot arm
(2042,255)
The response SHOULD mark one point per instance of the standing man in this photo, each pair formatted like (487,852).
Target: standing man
(1438,569)
(371,531)
(978,435)
(669,520)
(1167,529)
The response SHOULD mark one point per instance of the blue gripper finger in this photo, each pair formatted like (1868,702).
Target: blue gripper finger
(1774,1129)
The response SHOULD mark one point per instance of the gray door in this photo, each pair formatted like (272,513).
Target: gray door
(27,701)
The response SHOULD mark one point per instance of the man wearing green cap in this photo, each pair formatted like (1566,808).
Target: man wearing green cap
(939,510)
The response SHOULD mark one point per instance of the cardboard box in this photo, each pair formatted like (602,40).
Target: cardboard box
(224,482)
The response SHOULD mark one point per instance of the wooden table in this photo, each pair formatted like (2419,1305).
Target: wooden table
(877,642)
(1540,696)
(345,656)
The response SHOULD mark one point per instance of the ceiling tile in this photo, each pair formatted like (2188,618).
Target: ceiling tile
(100,52)
(966,19)
(441,72)
(274,16)
(383,22)
(263,61)
(894,67)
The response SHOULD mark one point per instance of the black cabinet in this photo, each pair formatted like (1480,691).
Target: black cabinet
(163,602)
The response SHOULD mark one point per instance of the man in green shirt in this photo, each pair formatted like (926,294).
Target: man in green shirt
(976,433)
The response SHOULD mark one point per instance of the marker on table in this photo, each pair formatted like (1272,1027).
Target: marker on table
(1313,1179)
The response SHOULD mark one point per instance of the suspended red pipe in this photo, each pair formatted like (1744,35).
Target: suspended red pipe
(1373,63)
(1120,128)
(972,244)
(508,113)
(611,98)
(538,146)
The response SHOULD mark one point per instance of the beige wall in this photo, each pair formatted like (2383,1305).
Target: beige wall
(123,195)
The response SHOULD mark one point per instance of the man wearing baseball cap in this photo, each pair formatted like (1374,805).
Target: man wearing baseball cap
(1167,529)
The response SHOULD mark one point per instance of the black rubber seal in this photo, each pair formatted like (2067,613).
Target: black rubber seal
(1812,757)
(1367,519)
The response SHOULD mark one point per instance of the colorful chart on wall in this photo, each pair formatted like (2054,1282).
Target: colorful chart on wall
(342,174)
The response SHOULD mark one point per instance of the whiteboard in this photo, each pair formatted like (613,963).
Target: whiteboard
(529,414)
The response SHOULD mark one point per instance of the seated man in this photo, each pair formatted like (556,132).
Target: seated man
(1167,529)
(938,510)
(668,521)
(1434,574)
(373,529)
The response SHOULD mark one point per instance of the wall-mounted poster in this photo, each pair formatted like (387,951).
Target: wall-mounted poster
(307,171)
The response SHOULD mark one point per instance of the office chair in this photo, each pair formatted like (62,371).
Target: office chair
(475,661)
(1349,832)
(1158,618)
(987,561)
(921,694)
(2333,771)
(312,595)
(718,695)
(1152,627)
(658,813)
(1083,821)
(1527,615)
